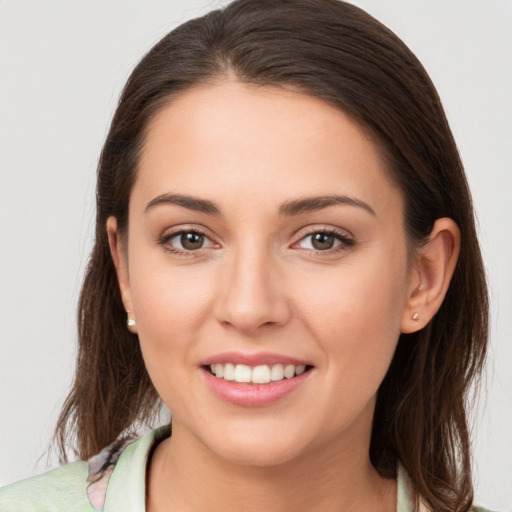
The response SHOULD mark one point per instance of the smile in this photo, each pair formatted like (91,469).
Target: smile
(255,380)
(261,374)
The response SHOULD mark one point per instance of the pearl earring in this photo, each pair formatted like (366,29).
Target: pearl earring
(130,322)
(416,317)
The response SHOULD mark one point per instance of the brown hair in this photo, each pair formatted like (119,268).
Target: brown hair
(336,52)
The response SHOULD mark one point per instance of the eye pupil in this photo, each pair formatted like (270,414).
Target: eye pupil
(191,241)
(322,241)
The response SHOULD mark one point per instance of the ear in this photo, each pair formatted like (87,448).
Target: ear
(432,271)
(120,258)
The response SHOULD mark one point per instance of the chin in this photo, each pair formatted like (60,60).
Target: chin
(258,455)
(260,447)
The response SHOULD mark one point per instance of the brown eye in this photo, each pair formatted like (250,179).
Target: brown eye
(323,241)
(186,242)
(191,241)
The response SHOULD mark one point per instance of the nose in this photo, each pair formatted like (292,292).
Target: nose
(252,295)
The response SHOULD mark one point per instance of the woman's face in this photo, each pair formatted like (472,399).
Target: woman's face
(265,232)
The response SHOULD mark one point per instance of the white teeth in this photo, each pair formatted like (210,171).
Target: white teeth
(219,370)
(300,369)
(289,371)
(243,373)
(262,374)
(277,372)
(229,372)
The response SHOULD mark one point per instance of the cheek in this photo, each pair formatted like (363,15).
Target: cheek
(171,305)
(171,309)
(364,297)
(168,297)
(355,317)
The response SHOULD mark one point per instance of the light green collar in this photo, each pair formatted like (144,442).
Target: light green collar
(127,485)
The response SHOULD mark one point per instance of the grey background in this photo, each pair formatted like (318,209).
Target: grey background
(62,65)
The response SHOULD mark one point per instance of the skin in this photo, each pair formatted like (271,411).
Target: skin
(257,285)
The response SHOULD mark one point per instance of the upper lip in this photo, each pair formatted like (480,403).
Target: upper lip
(261,358)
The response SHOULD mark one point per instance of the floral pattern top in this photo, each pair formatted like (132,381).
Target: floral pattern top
(115,481)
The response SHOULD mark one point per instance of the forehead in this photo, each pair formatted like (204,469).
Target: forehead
(229,138)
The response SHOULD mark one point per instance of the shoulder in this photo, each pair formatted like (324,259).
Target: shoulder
(112,481)
(61,489)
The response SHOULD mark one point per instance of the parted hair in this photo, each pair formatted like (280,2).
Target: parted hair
(334,51)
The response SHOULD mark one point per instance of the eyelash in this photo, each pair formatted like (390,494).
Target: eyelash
(346,242)
(165,239)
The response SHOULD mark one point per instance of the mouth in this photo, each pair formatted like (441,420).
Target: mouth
(255,380)
(261,374)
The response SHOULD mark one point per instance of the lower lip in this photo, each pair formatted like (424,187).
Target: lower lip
(253,395)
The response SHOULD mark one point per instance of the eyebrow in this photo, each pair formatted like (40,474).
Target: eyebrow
(191,203)
(287,209)
(310,204)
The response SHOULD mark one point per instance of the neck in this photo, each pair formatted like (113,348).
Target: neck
(185,473)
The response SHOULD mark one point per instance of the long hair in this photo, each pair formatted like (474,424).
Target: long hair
(338,53)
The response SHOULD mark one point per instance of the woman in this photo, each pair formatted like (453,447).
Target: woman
(286,257)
